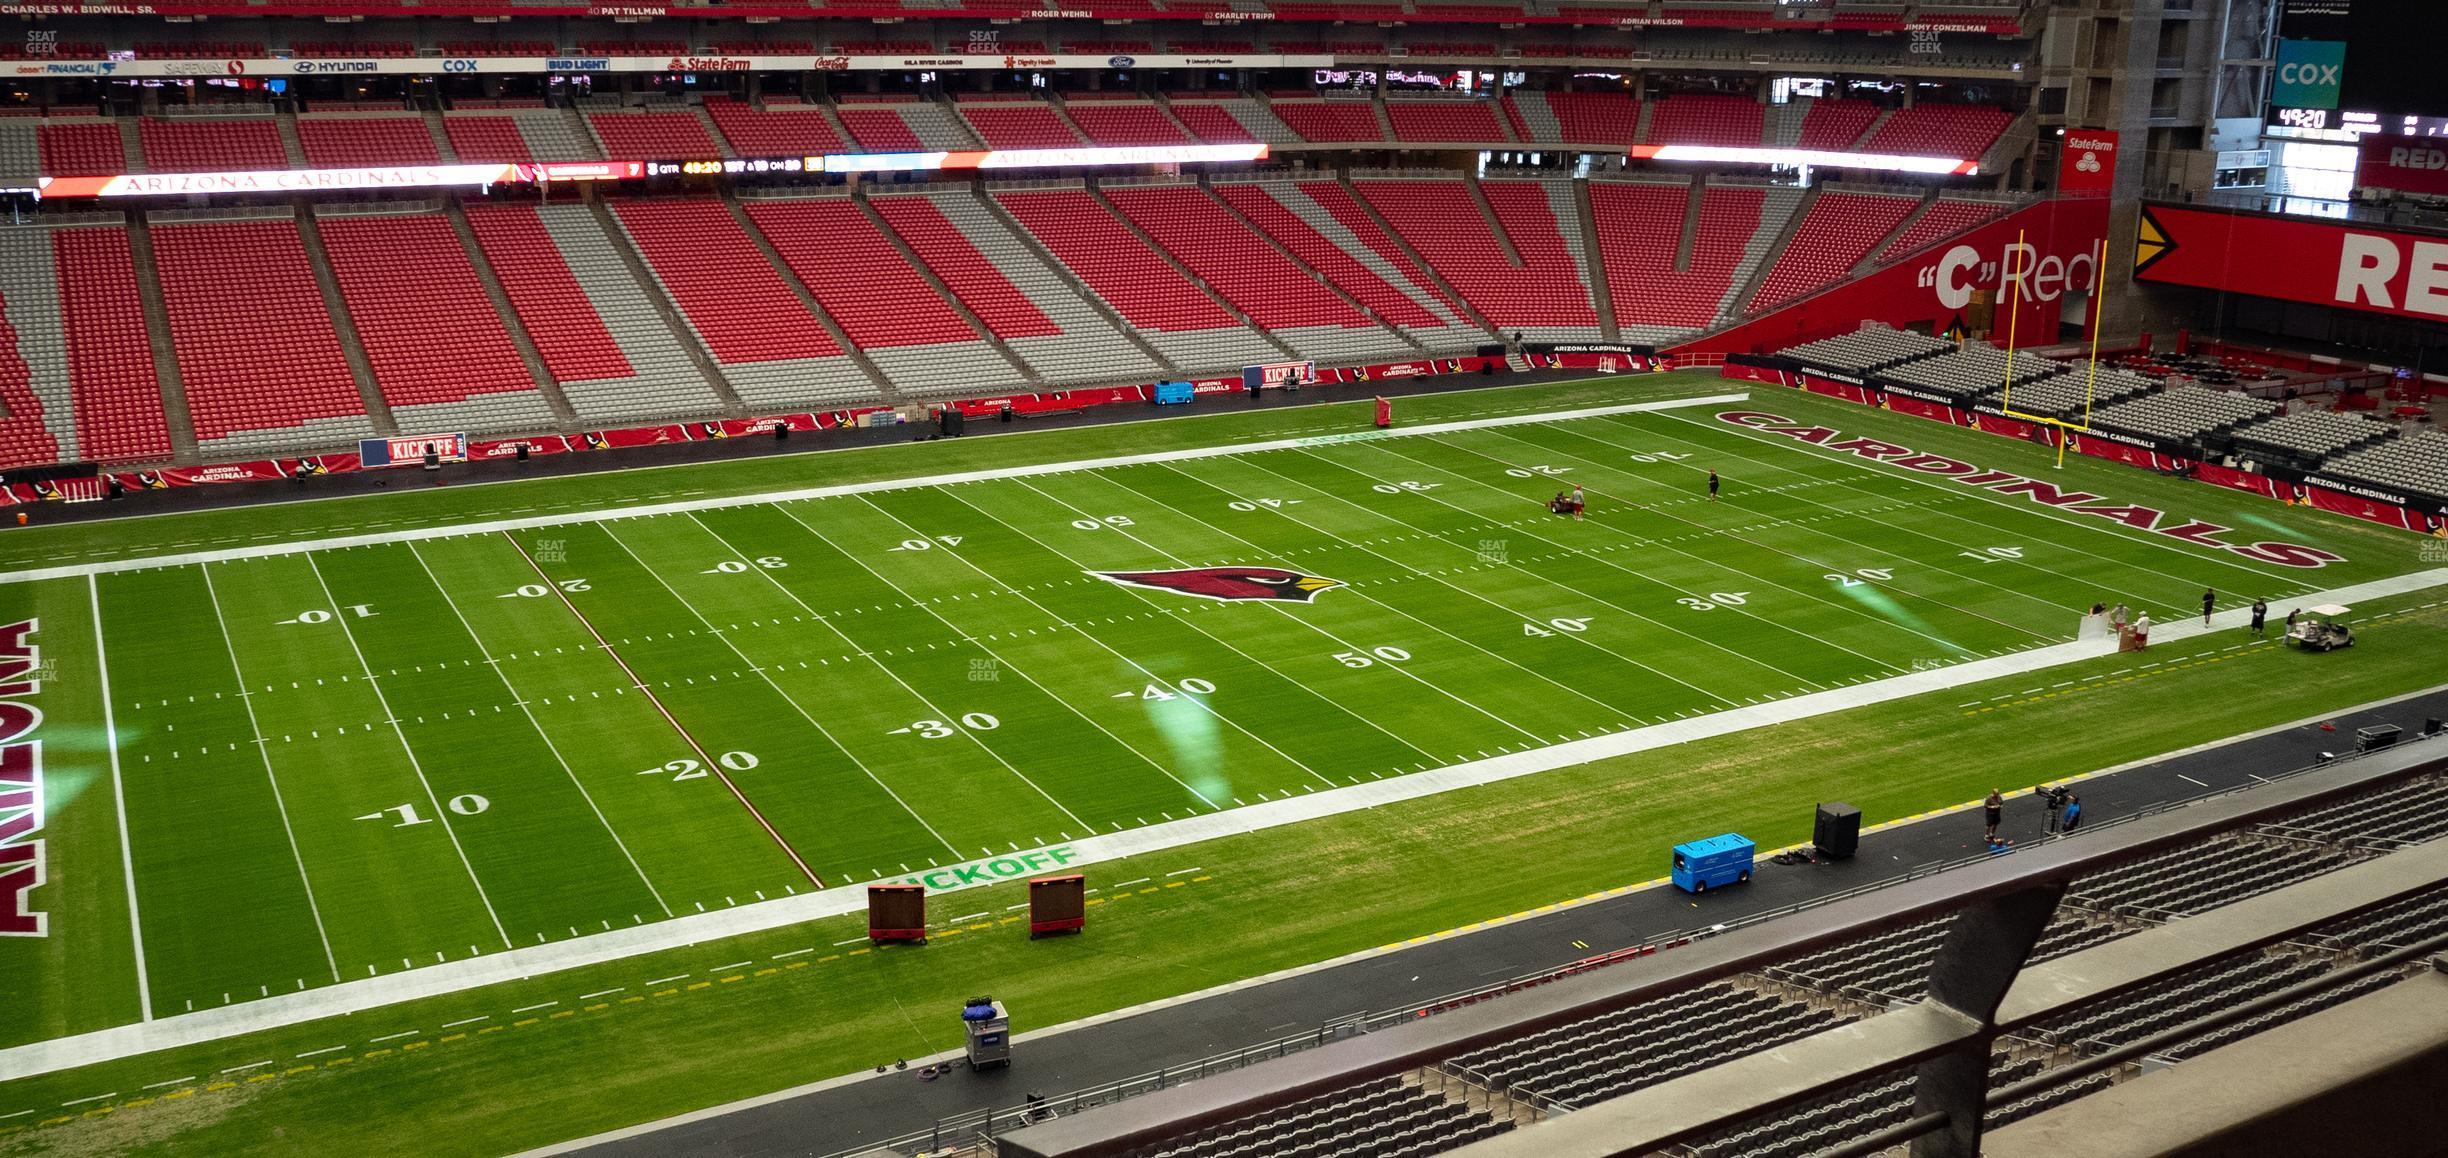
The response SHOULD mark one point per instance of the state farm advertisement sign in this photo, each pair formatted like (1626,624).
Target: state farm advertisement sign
(2405,164)
(2295,259)
(2088,166)
(2027,266)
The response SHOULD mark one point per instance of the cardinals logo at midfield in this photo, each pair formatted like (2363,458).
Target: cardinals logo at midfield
(1227,582)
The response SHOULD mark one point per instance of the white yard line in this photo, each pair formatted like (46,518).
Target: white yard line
(264,749)
(531,961)
(340,615)
(574,518)
(127,838)
(528,710)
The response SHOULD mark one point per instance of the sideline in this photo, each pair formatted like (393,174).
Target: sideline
(520,964)
(455,530)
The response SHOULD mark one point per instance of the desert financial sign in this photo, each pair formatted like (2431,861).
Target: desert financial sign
(2151,519)
(2295,259)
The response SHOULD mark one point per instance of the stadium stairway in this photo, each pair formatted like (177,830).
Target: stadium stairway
(157,332)
(1293,223)
(436,128)
(1748,288)
(286,122)
(935,281)
(790,277)
(1593,261)
(486,277)
(1343,201)
(1186,273)
(344,325)
(616,239)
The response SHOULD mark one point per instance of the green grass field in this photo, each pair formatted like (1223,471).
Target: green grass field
(345,763)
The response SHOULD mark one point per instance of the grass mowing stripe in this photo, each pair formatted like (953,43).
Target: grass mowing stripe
(998,659)
(1315,533)
(263,746)
(2025,510)
(1399,667)
(1947,599)
(2089,560)
(1416,457)
(527,711)
(970,733)
(710,763)
(127,850)
(341,614)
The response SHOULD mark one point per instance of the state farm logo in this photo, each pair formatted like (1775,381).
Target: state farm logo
(2090,163)
(2091,144)
(707,64)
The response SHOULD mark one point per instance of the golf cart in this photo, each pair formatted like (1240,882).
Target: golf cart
(2323,628)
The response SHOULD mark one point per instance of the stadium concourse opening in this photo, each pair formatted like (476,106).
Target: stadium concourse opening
(1471,450)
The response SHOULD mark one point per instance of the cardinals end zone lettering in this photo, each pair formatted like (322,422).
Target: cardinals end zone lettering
(1227,583)
(21,795)
(2157,522)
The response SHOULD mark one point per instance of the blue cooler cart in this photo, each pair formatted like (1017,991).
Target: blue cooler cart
(1702,865)
(989,1031)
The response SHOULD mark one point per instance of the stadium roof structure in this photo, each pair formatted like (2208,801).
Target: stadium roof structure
(1980,987)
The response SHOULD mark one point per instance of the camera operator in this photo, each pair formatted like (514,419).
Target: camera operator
(2054,799)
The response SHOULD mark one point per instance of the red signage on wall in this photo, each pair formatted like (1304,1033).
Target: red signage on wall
(2295,259)
(2027,266)
(2087,167)
(2405,164)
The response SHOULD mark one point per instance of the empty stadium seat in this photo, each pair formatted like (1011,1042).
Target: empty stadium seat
(81,148)
(882,303)
(1018,124)
(1278,295)
(336,142)
(1169,311)
(1543,295)
(440,353)
(211,144)
(252,387)
(1125,122)
(119,407)
(780,131)
(1839,230)
(1707,119)
(1444,121)
(643,136)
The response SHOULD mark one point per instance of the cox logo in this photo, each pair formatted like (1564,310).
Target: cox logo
(458,66)
(2310,74)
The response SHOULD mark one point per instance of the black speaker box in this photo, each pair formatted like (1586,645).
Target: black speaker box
(950,420)
(1838,831)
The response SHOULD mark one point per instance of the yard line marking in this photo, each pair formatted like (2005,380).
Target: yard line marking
(1082,630)
(600,993)
(2190,780)
(340,615)
(532,722)
(770,682)
(677,977)
(248,1066)
(155,1086)
(793,953)
(851,941)
(889,673)
(1174,873)
(455,1024)
(391,1037)
(324,1050)
(460,530)
(127,836)
(1514,567)
(549,1004)
(265,750)
(96,1098)
(710,764)
(1288,616)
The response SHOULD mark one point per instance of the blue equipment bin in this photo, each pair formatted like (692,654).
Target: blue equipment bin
(1173,393)
(1702,865)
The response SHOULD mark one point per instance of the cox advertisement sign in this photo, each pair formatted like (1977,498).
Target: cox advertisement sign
(2026,263)
(2295,259)
(2310,72)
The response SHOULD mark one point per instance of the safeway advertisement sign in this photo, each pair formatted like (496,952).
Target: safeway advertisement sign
(2295,259)
(2088,168)
(2027,266)
(2405,164)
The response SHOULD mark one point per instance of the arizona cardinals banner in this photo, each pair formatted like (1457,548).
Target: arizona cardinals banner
(2294,259)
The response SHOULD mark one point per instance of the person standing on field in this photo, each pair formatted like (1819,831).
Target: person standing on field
(2260,619)
(1993,810)
(2209,600)
(1712,486)
(1576,502)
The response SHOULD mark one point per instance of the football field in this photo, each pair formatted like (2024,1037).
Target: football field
(301,765)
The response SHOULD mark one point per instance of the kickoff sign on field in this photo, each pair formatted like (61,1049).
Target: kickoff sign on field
(411,449)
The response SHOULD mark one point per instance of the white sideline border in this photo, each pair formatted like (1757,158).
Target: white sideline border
(718,502)
(680,932)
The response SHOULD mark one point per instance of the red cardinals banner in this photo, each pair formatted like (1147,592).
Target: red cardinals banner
(2294,259)
(2087,167)
(2404,164)
(2026,263)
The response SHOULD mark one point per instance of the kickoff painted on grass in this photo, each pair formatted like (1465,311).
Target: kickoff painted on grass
(2193,531)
